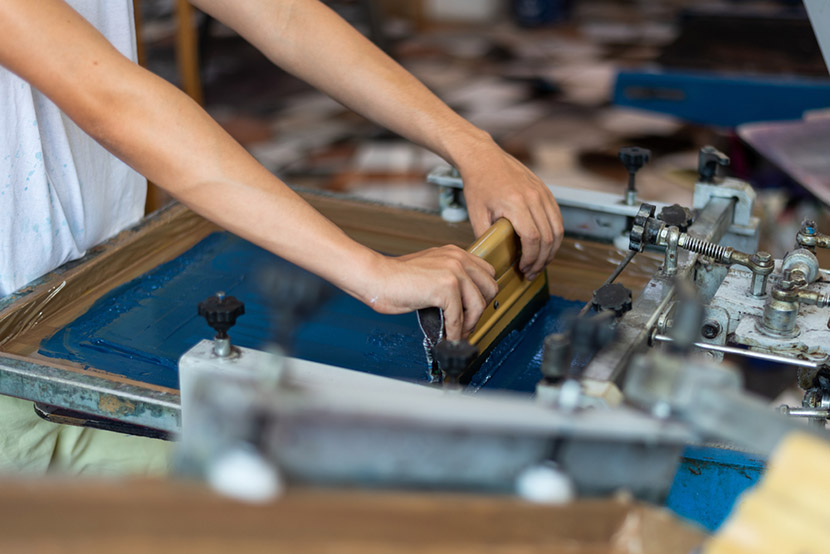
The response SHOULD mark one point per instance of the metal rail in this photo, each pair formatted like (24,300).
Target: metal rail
(746,353)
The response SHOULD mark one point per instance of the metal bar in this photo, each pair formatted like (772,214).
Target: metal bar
(746,353)
(595,215)
(822,413)
(88,393)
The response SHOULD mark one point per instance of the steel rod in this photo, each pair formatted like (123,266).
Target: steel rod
(746,353)
(822,413)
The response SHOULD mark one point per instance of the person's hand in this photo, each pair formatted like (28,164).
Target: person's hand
(449,278)
(498,185)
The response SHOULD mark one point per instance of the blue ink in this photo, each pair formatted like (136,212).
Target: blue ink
(38,155)
(35,227)
(140,330)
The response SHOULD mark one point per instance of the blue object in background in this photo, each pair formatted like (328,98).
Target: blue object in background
(721,100)
(534,13)
(709,481)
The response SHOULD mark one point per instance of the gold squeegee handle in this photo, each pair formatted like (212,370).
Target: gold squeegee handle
(500,247)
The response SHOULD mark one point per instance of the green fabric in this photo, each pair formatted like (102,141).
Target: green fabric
(32,445)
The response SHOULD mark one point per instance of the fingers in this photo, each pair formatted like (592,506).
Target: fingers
(503,187)
(449,278)
(475,287)
(544,230)
(479,219)
(555,215)
(453,315)
(541,232)
(466,292)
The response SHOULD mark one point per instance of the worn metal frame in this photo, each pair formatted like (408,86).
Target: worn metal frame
(635,328)
(49,303)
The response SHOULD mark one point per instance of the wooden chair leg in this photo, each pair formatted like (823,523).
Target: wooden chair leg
(187,51)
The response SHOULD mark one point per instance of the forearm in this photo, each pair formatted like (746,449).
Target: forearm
(187,153)
(309,40)
(168,138)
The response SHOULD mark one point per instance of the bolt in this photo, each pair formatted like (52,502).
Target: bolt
(762,258)
(758,285)
(496,304)
(761,264)
(710,330)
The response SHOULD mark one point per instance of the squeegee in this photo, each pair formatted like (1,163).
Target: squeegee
(516,302)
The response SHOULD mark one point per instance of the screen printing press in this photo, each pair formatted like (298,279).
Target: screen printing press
(603,375)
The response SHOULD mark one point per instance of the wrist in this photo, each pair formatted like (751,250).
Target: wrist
(363,275)
(466,150)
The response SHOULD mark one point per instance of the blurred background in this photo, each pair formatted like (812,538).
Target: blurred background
(560,84)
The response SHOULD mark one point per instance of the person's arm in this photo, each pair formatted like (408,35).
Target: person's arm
(308,39)
(167,137)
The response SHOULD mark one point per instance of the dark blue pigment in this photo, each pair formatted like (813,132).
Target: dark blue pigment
(140,329)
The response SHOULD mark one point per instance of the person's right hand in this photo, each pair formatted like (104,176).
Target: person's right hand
(448,277)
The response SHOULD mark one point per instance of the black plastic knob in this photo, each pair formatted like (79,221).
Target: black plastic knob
(592,333)
(454,357)
(633,158)
(220,312)
(676,216)
(708,161)
(614,297)
(556,357)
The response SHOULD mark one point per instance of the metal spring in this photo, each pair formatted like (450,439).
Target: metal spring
(704,248)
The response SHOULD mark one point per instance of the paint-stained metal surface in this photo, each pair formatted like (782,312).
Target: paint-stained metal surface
(91,393)
(140,329)
(709,481)
(159,308)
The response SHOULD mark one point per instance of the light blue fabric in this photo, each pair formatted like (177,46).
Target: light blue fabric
(60,191)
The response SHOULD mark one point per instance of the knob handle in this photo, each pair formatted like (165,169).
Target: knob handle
(639,237)
(633,158)
(614,297)
(220,312)
(676,216)
(454,357)
(708,161)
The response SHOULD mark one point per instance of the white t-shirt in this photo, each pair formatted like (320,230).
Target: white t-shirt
(60,191)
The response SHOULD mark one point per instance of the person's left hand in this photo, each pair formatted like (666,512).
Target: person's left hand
(497,185)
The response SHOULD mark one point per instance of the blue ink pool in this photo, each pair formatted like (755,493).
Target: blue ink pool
(140,329)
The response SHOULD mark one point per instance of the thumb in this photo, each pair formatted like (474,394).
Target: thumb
(480,220)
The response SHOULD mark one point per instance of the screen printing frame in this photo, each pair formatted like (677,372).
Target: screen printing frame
(41,308)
